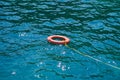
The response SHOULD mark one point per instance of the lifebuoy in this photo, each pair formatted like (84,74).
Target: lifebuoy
(64,40)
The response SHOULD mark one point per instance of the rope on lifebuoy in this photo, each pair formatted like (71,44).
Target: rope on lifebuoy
(64,40)
(95,59)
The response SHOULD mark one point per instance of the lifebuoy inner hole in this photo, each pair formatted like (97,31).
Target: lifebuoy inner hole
(58,39)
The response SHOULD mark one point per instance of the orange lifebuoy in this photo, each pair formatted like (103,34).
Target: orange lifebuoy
(64,40)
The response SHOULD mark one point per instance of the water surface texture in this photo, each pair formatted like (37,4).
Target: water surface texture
(92,25)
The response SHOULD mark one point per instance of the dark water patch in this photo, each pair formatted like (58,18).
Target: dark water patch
(5,24)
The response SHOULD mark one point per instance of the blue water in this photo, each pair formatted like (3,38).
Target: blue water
(93,27)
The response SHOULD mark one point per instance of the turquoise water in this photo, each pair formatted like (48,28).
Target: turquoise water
(93,27)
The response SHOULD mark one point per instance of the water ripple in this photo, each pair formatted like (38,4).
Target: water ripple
(93,27)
